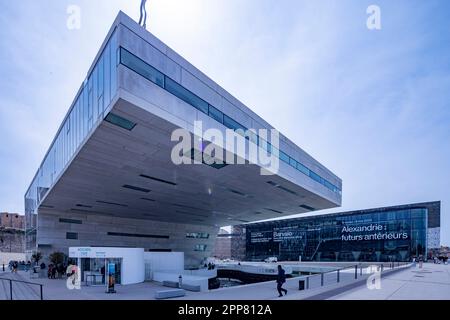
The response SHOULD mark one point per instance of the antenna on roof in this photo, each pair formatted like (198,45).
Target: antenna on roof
(143,18)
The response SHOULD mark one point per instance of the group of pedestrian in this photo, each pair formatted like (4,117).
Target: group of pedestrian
(210,266)
(14,267)
(57,270)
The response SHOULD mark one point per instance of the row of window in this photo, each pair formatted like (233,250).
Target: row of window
(94,97)
(150,73)
(198,247)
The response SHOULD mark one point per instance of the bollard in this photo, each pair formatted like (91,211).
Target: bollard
(307,283)
(301,285)
(321,279)
(360,271)
(10,290)
(356,272)
(338,276)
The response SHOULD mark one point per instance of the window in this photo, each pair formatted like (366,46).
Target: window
(329,185)
(120,121)
(231,124)
(200,247)
(316,177)
(284,157)
(185,95)
(263,144)
(72,236)
(215,114)
(127,186)
(114,63)
(293,163)
(135,235)
(197,235)
(71,221)
(302,168)
(107,81)
(140,67)
(101,79)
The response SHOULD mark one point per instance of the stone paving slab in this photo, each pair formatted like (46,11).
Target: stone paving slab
(432,282)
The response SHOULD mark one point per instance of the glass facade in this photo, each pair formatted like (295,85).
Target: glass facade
(395,235)
(157,77)
(86,112)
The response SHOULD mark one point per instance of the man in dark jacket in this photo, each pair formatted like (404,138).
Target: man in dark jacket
(281,279)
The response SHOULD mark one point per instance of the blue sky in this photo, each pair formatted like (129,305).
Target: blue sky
(373,106)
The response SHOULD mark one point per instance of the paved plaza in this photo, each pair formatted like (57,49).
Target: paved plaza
(432,282)
(407,283)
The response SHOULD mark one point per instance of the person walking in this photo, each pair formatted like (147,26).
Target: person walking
(281,279)
(54,270)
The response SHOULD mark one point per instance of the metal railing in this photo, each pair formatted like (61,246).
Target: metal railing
(21,290)
(347,273)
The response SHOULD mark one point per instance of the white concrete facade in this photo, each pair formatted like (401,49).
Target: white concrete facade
(93,231)
(132,259)
(86,204)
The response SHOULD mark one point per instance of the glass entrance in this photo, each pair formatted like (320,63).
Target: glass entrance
(93,271)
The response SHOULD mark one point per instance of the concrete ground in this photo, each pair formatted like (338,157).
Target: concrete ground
(56,289)
(432,282)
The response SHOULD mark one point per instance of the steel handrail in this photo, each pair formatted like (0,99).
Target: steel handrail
(25,282)
(355,266)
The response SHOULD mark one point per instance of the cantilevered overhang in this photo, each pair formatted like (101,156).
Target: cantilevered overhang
(129,173)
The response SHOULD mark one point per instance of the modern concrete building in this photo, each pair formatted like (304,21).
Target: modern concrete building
(108,179)
(396,233)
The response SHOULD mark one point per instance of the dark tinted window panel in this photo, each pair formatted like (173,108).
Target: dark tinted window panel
(112,203)
(136,235)
(72,236)
(71,221)
(231,124)
(141,67)
(144,190)
(120,121)
(185,95)
(157,179)
(215,114)
(197,235)
(302,168)
(284,157)
(304,206)
(329,185)
(293,163)
(316,177)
